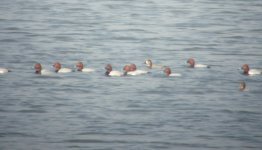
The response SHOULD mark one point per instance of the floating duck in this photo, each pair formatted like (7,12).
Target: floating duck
(39,70)
(111,72)
(80,68)
(191,63)
(134,72)
(169,73)
(248,71)
(58,68)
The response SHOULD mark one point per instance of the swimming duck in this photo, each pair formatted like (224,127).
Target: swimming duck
(58,68)
(168,73)
(111,73)
(39,70)
(150,65)
(134,72)
(191,63)
(248,71)
(80,68)
(4,70)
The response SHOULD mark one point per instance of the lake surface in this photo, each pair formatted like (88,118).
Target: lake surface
(202,109)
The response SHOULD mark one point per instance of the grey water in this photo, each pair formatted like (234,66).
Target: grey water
(202,109)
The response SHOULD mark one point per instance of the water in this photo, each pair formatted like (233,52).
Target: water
(203,109)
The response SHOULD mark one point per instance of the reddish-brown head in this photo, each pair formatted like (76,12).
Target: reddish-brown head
(79,66)
(127,68)
(191,62)
(245,69)
(167,71)
(132,67)
(108,67)
(57,66)
(38,68)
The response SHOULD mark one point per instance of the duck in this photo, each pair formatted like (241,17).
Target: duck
(169,73)
(248,71)
(58,68)
(134,72)
(112,73)
(4,70)
(80,68)
(192,64)
(39,70)
(150,65)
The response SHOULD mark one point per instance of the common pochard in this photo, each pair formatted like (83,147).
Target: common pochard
(111,72)
(80,68)
(192,63)
(134,71)
(248,71)
(59,69)
(40,70)
(169,73)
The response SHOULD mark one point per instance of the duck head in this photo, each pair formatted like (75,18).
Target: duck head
(57,66)
(79,66)
(132,67)
(167,71)
(108,69)
(38,68)
(191,62)
(245,69)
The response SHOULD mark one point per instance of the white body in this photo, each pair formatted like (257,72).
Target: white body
(88,70)
(255,71)
(116,74)
(46,72)
(3,70)
(201,66)
(64,70)
(175,75)
(137,72)
(154,66)
(157,66)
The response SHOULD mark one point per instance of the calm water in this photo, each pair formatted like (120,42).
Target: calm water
(203,109)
